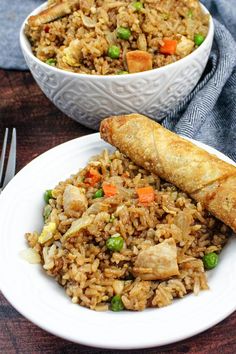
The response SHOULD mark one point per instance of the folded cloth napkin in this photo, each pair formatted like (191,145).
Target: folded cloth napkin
(208,114)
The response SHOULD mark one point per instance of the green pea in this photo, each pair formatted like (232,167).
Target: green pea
(199,39)
(115,243)
(51,62)
(210,260)
(117,304)
(48,195)
(114,52)
(98,194)
(47,211)
(137,5)
(123,33)
(122,72)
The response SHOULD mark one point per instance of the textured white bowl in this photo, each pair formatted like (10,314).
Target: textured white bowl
(89,98)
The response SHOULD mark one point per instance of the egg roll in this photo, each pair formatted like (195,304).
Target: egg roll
(202,175)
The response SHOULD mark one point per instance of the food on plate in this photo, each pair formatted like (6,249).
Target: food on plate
(157,262)
(116,37)
(118,237)
(205,177)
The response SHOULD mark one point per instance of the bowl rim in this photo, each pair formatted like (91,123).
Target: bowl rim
(26,47)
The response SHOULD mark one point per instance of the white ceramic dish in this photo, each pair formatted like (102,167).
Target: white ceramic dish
(90,98)
(40,299)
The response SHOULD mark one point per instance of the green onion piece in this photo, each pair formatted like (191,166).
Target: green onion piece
(47,211)
(117,304)
(47,195)
(122,72)
(112,218)
(137,5)
(165,16)
(51,62)
(190,13)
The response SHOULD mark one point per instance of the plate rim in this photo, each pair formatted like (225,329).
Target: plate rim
(88,342)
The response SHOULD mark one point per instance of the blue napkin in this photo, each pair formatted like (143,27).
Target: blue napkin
(208,114)
(12,15)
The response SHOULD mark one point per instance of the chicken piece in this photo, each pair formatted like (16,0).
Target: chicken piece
(77,226)
(118,286)
(185,46)
(74,201)
(157,262)
(52,13)
(96,208)
(138,61)
(72,54)
(142,42)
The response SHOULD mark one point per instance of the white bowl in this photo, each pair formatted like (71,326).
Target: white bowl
(89,98)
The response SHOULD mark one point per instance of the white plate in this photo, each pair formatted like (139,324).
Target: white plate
(41,300)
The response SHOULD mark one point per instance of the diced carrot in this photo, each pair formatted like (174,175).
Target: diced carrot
(109,190)
(92,177)
(169,46)
(146,194)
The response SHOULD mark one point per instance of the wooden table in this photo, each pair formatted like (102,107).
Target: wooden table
(40,126)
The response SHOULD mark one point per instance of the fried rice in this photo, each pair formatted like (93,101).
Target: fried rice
(75,251)
(80,36)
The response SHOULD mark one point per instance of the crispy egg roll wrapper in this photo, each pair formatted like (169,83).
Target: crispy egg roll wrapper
(203,176)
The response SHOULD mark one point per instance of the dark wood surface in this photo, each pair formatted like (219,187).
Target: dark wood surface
(40,126)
